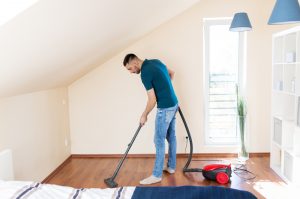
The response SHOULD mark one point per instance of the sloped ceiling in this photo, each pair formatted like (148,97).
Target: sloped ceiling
(54,42)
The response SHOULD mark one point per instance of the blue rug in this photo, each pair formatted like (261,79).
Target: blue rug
(190,192)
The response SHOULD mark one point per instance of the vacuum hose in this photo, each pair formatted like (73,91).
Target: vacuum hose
(185,168)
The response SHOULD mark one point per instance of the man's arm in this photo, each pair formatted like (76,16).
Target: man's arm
(150,105)
(171,73)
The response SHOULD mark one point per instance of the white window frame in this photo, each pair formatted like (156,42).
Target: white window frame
(241,77)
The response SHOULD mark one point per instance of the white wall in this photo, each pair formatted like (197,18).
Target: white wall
(35,127)
(105,105)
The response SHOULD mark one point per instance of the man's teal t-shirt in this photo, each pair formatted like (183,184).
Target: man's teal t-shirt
(154,74)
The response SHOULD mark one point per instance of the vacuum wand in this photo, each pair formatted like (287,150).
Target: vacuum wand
(111,181)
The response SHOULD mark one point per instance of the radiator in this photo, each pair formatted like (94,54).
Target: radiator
(6,165)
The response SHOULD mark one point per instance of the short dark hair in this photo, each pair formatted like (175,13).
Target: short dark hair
(128,58)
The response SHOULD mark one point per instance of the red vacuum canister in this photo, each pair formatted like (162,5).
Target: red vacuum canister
(217,172)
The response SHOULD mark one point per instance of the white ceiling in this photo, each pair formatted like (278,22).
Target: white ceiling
(54,42)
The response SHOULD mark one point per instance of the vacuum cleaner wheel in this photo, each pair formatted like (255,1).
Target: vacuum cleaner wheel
(222,178)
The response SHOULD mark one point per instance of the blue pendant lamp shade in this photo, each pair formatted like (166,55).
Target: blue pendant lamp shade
(285,12)
(240,22)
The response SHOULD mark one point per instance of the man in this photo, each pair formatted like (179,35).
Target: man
(156,78)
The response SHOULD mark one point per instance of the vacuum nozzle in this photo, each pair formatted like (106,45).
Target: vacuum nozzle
(110,183)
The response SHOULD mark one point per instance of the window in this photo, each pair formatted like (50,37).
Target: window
(223,61)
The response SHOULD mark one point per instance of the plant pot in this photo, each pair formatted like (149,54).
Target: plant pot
(243,153)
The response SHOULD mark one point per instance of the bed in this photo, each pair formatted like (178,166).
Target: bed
(35,190)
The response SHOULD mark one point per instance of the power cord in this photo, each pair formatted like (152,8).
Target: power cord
(241,171)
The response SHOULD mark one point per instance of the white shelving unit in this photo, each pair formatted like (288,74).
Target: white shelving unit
(285,117)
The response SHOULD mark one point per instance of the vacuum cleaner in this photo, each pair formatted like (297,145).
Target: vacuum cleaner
(218,172)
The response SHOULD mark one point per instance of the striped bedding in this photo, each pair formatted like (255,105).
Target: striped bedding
(33,190)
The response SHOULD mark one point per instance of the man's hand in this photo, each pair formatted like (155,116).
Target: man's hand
(171,73)
(143,119)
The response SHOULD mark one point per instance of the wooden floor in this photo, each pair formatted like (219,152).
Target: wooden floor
(90,172)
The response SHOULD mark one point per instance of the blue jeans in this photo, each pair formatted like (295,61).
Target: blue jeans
(165,129)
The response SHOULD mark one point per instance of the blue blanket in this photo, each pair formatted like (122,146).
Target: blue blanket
(190,192)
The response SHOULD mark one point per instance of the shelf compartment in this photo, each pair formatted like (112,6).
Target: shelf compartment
(288,130)
(277,131)
(278,77)
(296,141)
(296,175)
(278,50)
(288,168)
(289,79)
(291,165)
(276,154)
(284,106)
(290,48)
